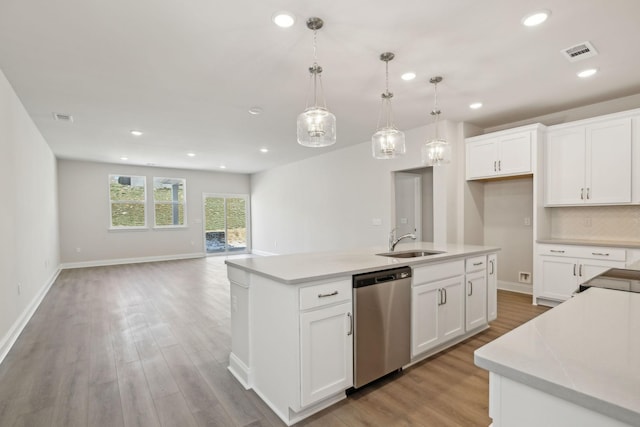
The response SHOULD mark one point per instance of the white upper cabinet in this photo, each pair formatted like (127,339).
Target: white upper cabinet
(500,154)
(589,164)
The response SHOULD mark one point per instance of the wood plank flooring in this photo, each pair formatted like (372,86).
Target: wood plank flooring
(148,345)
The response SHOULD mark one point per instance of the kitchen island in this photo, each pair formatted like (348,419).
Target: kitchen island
(292,316)
(575,365)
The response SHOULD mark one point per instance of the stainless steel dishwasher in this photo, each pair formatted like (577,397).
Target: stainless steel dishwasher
(382,323)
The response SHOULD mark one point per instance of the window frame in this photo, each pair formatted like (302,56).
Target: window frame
(143,202)
(183,203)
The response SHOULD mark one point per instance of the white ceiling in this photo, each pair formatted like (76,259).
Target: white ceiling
(187,72)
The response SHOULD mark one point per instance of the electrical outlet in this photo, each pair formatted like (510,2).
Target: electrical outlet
(524,277)
(587,222)
(527,220)
(78,250)
(376,221)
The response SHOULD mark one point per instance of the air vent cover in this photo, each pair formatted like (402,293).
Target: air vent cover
(63,117)
(579,52)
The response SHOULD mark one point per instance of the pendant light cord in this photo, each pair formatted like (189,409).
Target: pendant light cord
(436,111)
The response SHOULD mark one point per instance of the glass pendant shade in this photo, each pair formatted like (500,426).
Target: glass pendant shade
(387,142)
(436,153)
(316,127)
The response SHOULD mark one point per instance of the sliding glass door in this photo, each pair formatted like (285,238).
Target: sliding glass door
(226,227)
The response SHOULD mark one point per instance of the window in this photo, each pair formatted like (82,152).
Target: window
(127,196)
(169,201)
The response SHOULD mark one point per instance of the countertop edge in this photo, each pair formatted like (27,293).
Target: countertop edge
(581,399)
(322,277)
(599,243)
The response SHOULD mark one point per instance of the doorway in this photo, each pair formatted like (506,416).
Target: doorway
(226,227)
(414,203)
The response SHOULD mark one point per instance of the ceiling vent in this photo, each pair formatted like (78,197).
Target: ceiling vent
(579,52)
(63,117)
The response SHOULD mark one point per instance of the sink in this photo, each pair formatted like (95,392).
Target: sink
(410,254)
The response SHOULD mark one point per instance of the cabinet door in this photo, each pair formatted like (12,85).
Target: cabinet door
(476,300)
(425,301)
(559,277)
(514,155)
(482,158)
(565,166)
(326,352)
(492,287)
(451,311)
(590,268)
(608,169)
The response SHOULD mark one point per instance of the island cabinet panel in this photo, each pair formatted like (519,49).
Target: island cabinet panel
(589,164)
(476,300)
(326,352)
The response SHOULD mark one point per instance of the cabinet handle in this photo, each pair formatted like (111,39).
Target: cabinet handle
(350,324)
(499,165)
(439,296)
(478,263)
(444,292)
(582,194)
(574,269)
(580,271)
(470,288)
(495,168)
(556,251)
(334,293)
(492,267)
(599,254)
(588,193)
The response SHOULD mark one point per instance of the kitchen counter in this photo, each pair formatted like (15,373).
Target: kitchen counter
(304,267)
(586,351)
(607,243)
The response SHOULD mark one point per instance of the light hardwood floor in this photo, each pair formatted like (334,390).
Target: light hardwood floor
(148,344)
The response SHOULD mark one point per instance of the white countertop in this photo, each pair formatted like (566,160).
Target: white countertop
(305,267)
(586,351)
(607,243)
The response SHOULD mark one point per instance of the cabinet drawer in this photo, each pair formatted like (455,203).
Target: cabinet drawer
(433,272)
(558,250)
(599,252)
(325,294)
(476,263)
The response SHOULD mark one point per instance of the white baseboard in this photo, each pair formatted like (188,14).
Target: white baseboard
(16,329)
(240,371)
(101,263)
(521,288)
(263,253)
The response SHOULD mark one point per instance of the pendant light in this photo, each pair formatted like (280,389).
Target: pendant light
(436,152)
(387,142)
(316,125)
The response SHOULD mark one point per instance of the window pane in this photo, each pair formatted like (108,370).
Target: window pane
(169,214)
(168,190)
(236,224)
(127,215)
(126,188)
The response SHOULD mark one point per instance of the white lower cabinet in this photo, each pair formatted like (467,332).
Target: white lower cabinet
(438,313)
(476,300)
(326,352)
(563,269)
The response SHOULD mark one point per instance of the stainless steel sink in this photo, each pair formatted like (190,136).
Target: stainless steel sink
(410,254)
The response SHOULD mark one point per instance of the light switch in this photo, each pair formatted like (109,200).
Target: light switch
(404,220)
(376,221)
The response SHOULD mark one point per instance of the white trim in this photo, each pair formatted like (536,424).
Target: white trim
(521,288)
(7,342)
(263,253)
(240,371)
(101,263)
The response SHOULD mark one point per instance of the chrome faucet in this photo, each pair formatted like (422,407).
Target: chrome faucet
(393,241)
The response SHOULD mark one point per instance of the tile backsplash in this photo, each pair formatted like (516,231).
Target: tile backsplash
(617,223)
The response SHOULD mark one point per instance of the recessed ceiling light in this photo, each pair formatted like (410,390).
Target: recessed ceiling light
(408,76)
(223,167)
(475,105)
(264,150)
(587,73)
(254,111)
(536,18)
(136,132)
(124,158)
(191,154)
(283,19)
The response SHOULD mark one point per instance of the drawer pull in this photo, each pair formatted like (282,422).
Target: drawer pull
(478,263)
(492,267)
(599,254)
(334,293)
(556,251)
(350,316)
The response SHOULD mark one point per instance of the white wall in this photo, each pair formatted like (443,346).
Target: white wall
(328,201)
(28,216)
(84,214)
